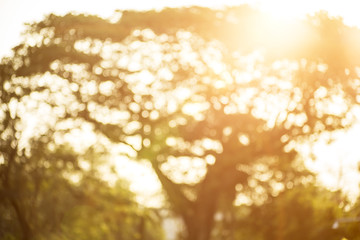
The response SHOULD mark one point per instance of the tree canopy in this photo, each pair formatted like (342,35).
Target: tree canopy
(215,100)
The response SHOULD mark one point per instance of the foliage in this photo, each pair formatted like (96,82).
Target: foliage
(50,186)
(215,100)
(305,212)
(44,198)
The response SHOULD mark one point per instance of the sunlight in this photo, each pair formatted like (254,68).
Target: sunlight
(286,10)
(181,108)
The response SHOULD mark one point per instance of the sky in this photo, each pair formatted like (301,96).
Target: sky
(14,13)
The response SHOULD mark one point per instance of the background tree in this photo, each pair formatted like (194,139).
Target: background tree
(305,212)
(51,187)
(216,100)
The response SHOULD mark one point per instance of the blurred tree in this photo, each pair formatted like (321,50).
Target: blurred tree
(103,212)
(216,100)
(349,224)
(46,198)
(305,212)
(50,190)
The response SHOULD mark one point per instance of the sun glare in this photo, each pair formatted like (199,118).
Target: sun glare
(289,9)
(285,10)
(271,107)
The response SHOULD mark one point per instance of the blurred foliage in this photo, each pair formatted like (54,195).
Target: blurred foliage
(46,194)
(305,212)
(52,187)
(218,102)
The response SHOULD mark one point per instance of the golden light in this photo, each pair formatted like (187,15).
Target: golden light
(285,10)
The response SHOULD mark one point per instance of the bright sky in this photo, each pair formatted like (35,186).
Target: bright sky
(14,13)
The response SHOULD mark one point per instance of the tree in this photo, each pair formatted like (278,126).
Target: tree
(305,212)
(46,194)
(50,186)
(215,100)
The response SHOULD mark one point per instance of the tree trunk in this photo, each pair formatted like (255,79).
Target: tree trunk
(217,185)
(198,215)
(200,226)
(201,222)
(24,225)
